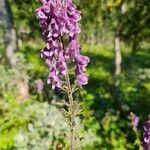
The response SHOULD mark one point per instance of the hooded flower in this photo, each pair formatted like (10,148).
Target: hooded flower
(59,19)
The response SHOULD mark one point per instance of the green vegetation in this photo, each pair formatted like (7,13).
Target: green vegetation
(29,121)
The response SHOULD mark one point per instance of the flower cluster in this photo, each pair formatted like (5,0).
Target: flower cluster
(146,135)
(58,20)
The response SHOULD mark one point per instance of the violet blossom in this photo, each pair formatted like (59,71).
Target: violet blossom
(134,121)
(39,85)
(146,135)
(59,19)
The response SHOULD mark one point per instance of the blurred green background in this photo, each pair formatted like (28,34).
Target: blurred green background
(116,36)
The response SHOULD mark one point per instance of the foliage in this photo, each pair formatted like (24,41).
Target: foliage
(110,100)
(113,3)
(10,123)
(23,15)
(10,119)
(9,79)
(47,130)
(137,30)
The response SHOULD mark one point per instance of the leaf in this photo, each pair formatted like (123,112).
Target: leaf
(114,3)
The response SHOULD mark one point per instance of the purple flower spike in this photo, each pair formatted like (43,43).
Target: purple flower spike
(146,135)
(59,18)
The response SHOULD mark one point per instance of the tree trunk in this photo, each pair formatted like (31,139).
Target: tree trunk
(6,22)
(10,36)
(117,40)
(11,46)
(118,57)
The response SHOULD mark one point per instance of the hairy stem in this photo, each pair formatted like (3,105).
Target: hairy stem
(72,112)
(71,105)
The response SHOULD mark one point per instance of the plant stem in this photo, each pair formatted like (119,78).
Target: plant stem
(71,105)
(71,109)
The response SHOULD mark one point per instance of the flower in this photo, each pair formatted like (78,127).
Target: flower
(59,19)
(146,135)
(39,85)
(134,121)
(82,79)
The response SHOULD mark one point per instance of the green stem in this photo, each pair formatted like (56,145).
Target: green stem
(71,105)
(72,112)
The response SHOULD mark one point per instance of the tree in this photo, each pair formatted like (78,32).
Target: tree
(11,40)
(10,32)
(117,39)
(137,24)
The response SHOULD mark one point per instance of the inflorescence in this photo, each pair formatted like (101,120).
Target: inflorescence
(59,21)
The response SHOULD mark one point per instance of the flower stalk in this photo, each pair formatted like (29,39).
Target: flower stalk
(70,92)
(72,112)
